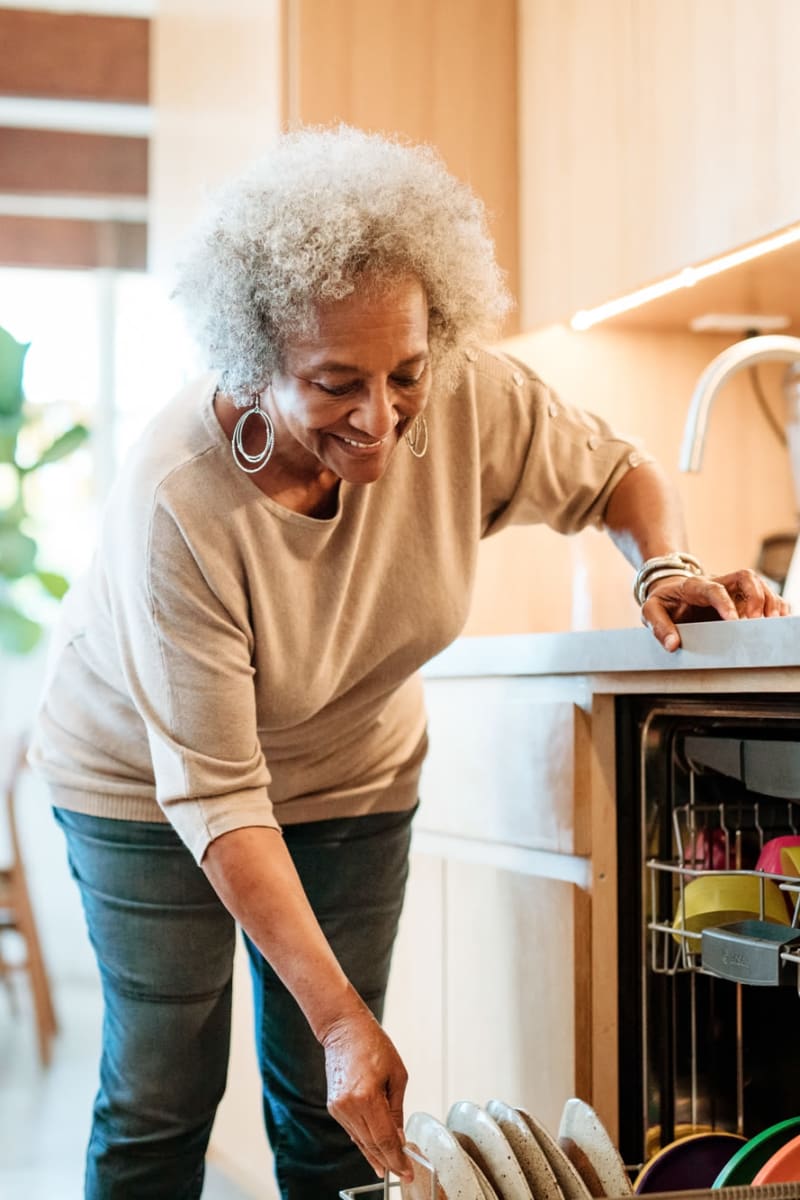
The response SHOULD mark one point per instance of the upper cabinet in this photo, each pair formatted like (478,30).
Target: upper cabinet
(653,135)
(442,73)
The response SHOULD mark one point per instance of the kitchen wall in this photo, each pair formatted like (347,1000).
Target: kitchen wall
(535,580)
(216,79)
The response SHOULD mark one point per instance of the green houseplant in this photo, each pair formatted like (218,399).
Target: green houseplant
(19,551)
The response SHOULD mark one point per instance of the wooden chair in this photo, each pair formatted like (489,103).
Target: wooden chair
(16,913)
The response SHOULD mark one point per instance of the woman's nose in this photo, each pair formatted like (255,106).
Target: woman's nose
(376,415)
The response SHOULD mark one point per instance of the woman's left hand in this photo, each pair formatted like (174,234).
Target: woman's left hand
(680,598)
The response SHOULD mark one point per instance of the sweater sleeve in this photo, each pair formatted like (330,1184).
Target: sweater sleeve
(543,461)
(187,666)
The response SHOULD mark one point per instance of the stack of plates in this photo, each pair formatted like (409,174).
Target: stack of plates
(502,1153)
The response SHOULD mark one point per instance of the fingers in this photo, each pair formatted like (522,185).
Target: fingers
(379,1140)
(366,1085)
(657,619)
(741,594)
(702,592)
(383,1153)
(750,594)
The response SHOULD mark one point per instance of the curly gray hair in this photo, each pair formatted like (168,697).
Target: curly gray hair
(326,211)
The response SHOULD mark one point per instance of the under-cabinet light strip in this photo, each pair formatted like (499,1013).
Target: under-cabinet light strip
(686,278)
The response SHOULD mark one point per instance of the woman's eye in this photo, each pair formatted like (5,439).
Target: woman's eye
(343,389)
(406,381)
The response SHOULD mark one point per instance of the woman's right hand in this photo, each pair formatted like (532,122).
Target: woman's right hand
(366,1085)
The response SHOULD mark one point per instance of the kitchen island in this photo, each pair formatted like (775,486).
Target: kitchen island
(505,976)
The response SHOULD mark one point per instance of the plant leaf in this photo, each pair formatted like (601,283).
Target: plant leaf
(9,428)
(11,517)
(18,633)
(17,553)
(54,584)
(12,362)
(65,444)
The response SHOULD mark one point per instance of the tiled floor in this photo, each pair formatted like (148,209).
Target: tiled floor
(44,1115)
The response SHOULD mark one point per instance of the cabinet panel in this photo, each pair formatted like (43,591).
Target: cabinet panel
(504,764)
(442,73)
(414,1016)
(653,136)
(515,989)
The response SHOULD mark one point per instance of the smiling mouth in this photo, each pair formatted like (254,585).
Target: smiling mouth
(359,445)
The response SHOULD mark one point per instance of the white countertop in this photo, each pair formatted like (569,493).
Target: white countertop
(714,645)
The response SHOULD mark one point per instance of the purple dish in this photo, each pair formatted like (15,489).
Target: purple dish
(691,1162)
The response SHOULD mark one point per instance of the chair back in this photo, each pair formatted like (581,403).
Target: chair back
(14,764)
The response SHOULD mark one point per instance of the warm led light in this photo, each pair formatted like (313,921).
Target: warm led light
(688,277)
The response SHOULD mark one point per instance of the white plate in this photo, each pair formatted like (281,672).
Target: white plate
(586,1142)
(529,1154)
(569,1181)
(488,1191)
(484,1141)
(454,1172)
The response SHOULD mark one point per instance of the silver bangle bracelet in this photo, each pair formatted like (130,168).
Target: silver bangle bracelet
(660,567)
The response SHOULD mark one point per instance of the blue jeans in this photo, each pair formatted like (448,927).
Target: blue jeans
(164,945)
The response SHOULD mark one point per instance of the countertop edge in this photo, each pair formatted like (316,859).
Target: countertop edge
(717,645)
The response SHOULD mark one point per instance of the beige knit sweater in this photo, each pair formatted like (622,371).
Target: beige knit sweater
(229,662)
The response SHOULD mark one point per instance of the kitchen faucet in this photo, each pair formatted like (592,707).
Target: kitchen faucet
(772,347)
(763,348)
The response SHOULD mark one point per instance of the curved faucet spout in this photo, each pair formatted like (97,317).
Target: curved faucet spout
(773,347)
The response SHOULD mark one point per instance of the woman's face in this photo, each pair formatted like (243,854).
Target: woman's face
(348,392)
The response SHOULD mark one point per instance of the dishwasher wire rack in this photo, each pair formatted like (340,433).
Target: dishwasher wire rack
(673,948)
(388,1186)
(704,834)
(767,1191)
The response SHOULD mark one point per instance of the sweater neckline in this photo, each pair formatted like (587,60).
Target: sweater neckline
(251,490)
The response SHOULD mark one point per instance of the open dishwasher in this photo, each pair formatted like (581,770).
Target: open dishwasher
(709,1015)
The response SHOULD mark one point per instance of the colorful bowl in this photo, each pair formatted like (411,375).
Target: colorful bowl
(748,1161)
(719,898)
(771,860)
(783,1167)
(687,1164)
(790,861)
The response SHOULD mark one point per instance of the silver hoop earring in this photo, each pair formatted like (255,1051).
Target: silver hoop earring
(417,437)
(251,463)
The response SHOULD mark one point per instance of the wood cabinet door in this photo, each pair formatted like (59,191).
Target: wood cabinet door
(490,991)
(507,763)
(653,136)
(414,1017)
(515,989)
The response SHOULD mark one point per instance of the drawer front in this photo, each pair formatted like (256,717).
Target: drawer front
(508,762)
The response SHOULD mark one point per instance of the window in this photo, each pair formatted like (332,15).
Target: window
(107,348)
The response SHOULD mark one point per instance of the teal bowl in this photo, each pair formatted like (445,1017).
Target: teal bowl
(753,1155)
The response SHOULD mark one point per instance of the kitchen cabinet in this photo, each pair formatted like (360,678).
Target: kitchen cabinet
(443,74)
(505,977)
(512,973)
(652,136)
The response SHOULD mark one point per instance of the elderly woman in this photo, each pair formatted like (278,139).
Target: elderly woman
(234,727)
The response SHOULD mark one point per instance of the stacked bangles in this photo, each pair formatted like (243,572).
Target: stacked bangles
(661,567)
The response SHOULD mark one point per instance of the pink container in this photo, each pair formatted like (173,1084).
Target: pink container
(769,859)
